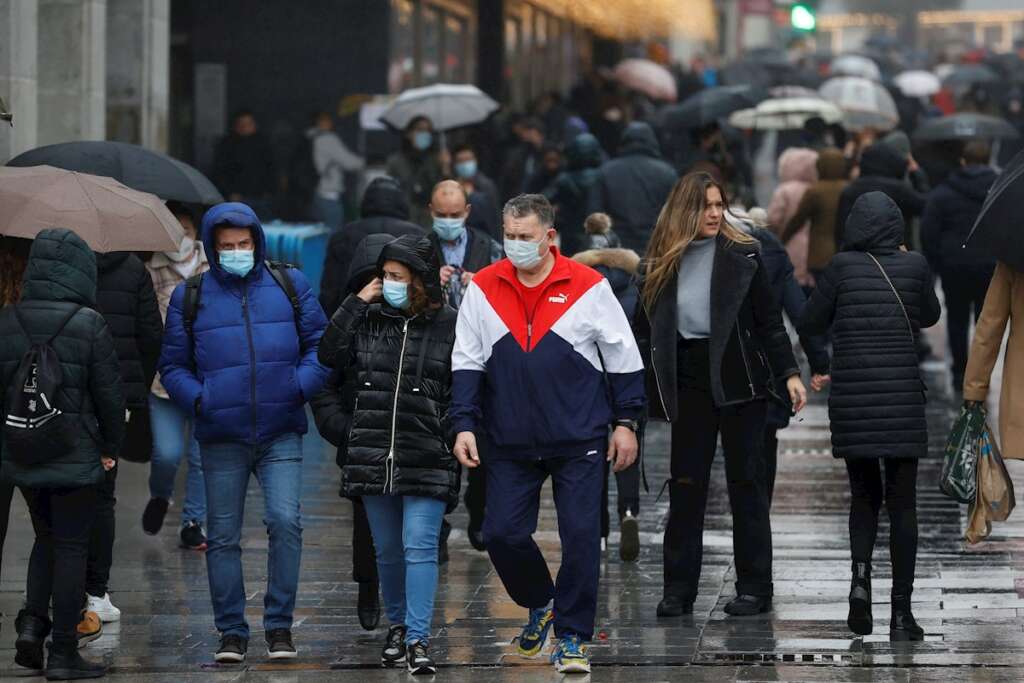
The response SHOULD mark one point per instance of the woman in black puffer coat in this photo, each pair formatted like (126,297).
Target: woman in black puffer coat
(876,407)
(399,457)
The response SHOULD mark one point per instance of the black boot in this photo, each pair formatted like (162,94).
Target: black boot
(65,664)
(369,605)
(903,626)
(442,542)
(32,632)
(859,619)
(674,606)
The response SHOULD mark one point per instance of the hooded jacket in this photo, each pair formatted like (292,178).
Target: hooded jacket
(882,169)
(60,276)
(125,297)
(385,209)
(400,369)
(252,365)
(633,187)
(797,172)
(949,216)
(819,205)
(570,193)
(877,401)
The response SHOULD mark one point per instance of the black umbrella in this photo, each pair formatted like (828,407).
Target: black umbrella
(965,75)
(137,167)
(998,226)
(707,106)
(965,126)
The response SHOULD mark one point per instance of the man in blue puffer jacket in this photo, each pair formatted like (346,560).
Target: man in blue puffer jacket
(245,373)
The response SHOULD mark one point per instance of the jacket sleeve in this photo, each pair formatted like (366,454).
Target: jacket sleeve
(332,420)
(820,309)
(620,354)
(931,229)
(803,213)
(469,358)
(106,389)
(333,279)
(176,366)
(312,323)
(793,302)
(931,309)
(336,345)
(988,335)
(149,329)
(769,326)
(842,213)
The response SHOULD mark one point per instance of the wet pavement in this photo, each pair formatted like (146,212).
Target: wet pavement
(969,601)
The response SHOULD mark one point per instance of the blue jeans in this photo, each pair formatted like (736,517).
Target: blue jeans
(173,437)
(405,532)
(330,212)
(277,465)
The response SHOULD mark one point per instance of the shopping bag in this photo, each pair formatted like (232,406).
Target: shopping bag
(959,478)
(995,499)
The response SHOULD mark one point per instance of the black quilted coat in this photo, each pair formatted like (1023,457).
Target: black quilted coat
(398,443)
(877,402)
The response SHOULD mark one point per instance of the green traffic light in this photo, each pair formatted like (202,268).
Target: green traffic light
(802,18)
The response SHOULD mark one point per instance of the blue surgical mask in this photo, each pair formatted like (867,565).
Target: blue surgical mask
(422,140)
(523,255)
(396,294)
(466,169)
(450,229)
(237,261)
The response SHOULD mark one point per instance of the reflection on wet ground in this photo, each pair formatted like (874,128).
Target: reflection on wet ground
(970,602)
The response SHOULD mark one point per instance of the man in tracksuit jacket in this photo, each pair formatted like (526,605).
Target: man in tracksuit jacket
(544,363)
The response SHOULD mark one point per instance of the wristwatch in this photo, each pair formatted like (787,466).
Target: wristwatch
(631,425)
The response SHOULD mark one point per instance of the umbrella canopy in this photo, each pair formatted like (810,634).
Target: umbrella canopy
(707,106)
(102,211)
(781,91)
(137,167)
(447,106)
(918,83)
(647,77)
(856,65)
(966,75)
(998,226)
(865,104)
(785,114)
(965,126)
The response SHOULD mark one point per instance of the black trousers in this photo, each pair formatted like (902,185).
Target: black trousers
(628,484)
(6,494)
(364,556)
(101,540)
(900,494)
(62,519)
(771,460)
(964,290)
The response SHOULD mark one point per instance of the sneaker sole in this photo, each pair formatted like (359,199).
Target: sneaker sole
(422,670)
(285,654)
(85,640)
(629,543)
(107,617)
(573,668)
(197,548)
(73,674)
(228,658)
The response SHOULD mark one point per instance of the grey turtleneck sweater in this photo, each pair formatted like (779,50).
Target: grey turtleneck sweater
(693,293)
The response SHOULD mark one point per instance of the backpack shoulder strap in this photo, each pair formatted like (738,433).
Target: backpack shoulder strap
(190,306)
(279,271)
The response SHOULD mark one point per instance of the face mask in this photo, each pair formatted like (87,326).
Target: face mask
(396,294)
(422,139)
(237,261)
(523,255)
(450,229)
(185,251)
(466,169)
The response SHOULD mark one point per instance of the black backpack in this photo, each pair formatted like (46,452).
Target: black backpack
(35,429)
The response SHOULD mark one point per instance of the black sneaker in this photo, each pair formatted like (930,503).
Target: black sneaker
(153,515)
(32,632)
(368,606)
(418,659)
(279,644)
(394,646)
(192,536)
(232,649)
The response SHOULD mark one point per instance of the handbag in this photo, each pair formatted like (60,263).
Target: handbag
(910,326)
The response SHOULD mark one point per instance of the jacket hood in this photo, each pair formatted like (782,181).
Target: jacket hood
(584,152)
(972,182)
(61,267)
(110,261)
(875,222)
(639,138)
(798,164)
(619,259)
(831,164)
(419,255)
(385,197)
(899,141)
(238,215)
(882,160)
(363,266)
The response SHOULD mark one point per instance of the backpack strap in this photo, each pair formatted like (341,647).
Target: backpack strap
(190,306)
(279,271)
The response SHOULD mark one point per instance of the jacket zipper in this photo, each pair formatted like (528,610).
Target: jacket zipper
(389,463)
(252,360)
(746,361)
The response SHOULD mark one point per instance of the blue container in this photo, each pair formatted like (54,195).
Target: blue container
(302,245)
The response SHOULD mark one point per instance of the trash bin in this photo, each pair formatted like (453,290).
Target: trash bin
(302,245)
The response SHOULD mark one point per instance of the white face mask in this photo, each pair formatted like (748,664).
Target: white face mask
(523,255)
(185,250)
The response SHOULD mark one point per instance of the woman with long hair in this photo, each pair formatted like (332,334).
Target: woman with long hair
(713,340)
(398,352)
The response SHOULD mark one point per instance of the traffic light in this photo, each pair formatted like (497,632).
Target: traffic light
(801,17)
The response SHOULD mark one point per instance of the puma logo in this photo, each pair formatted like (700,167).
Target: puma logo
(558,299)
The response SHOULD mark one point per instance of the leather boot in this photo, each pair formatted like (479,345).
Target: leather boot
(674,606)
(903,626)
(32,632)
(65,664)
(368,606)
(859,619)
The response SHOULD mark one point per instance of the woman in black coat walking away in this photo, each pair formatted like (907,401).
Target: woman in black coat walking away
(876,297)
(399,457)
(712,336)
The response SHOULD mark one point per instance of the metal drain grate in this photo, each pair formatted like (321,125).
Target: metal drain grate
(833,659)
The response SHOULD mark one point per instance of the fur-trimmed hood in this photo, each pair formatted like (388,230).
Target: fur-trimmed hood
(620,259)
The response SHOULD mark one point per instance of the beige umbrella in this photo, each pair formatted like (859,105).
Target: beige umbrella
(102,211)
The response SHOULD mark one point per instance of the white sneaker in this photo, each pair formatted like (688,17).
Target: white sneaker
(104,609)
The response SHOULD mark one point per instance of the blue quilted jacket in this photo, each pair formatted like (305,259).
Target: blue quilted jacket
(252,370)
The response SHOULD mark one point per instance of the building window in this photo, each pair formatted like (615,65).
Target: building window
(402,72)
(430,22)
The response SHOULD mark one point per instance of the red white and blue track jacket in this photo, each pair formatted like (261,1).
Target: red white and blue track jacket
(536,383)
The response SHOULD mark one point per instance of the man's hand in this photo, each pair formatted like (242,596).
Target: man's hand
(467,277)
(797,393)
(819,382)
(465,450)
(622,448)
(446,274)
(108,463)
(372,292)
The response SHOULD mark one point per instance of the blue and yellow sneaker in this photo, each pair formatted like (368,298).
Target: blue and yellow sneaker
(530,642)
(570,656)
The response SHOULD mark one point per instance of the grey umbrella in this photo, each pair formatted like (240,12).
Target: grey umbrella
(964,75)
(965,126)
(137,167)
